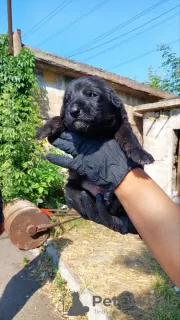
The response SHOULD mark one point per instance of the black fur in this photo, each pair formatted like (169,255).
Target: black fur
(92,108)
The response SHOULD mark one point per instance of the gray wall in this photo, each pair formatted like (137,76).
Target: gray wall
(53,86)
(160,139)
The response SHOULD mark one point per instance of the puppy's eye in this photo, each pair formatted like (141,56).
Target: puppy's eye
(67,99)
(91,94)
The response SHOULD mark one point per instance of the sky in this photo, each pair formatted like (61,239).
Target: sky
(91,23)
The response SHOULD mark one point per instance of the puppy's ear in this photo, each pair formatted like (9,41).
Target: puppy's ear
(62,112)
(117,103)
(126,137)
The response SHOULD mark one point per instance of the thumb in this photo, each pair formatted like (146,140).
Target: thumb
(62,161)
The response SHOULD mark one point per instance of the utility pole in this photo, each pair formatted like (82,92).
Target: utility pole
(10,32)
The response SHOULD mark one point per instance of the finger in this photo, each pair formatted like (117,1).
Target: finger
(68,136)
(120,224)
(72,204)
(105,217)
(65,146)
(90,208)
(112,222)
(72,137)
(108,195)
(64,162)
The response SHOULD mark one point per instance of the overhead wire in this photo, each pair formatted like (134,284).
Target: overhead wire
(124,34)
(112,30)
(126,40)
(43,21)
(68,26)
(143,55)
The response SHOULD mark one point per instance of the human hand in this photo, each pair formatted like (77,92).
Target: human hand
(101,160)
(96,211)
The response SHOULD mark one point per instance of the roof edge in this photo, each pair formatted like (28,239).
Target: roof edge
(85,69)
(164,104)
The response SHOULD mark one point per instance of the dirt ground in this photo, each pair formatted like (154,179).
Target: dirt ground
(111,265)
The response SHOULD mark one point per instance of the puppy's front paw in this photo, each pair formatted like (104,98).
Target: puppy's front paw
(141,156)
(43,132)
(52,127)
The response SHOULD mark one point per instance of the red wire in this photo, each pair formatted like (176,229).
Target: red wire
(48,213)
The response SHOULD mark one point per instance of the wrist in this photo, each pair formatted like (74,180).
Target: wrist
(128,184)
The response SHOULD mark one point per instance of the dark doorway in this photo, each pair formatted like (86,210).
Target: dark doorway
(177,161)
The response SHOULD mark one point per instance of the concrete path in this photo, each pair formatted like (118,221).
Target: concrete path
(20,296)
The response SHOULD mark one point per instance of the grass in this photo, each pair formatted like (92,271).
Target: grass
(48,274)
(54,286)
(167,305)
(25,262)
(164,304)
(60,230)
(112,265)
(109,264)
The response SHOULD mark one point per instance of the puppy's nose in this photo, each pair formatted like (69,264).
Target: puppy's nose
(75,111)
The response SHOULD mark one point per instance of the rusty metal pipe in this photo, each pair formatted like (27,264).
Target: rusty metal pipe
(10,29)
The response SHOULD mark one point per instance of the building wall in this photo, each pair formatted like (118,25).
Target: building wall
(159,139)
(53,86)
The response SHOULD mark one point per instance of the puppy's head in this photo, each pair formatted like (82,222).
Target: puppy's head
(90,106)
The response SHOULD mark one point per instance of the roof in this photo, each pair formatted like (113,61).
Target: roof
(77,69)
(164,104)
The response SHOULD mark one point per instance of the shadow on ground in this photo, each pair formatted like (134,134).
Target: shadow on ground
(128,305)
(23,285)
(159,302)
(144,262)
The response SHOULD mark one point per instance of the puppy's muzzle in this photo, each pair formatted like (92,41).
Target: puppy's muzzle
(75,111)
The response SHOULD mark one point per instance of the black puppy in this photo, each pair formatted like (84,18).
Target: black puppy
(93,109)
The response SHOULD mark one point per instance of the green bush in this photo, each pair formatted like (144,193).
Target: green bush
(169,79)
(23,173)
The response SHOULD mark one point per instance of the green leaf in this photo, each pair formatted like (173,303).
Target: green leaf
(40,190)
(170,67)
(22,172)
(39,200)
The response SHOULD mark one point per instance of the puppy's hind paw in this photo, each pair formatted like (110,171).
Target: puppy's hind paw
(141,156)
